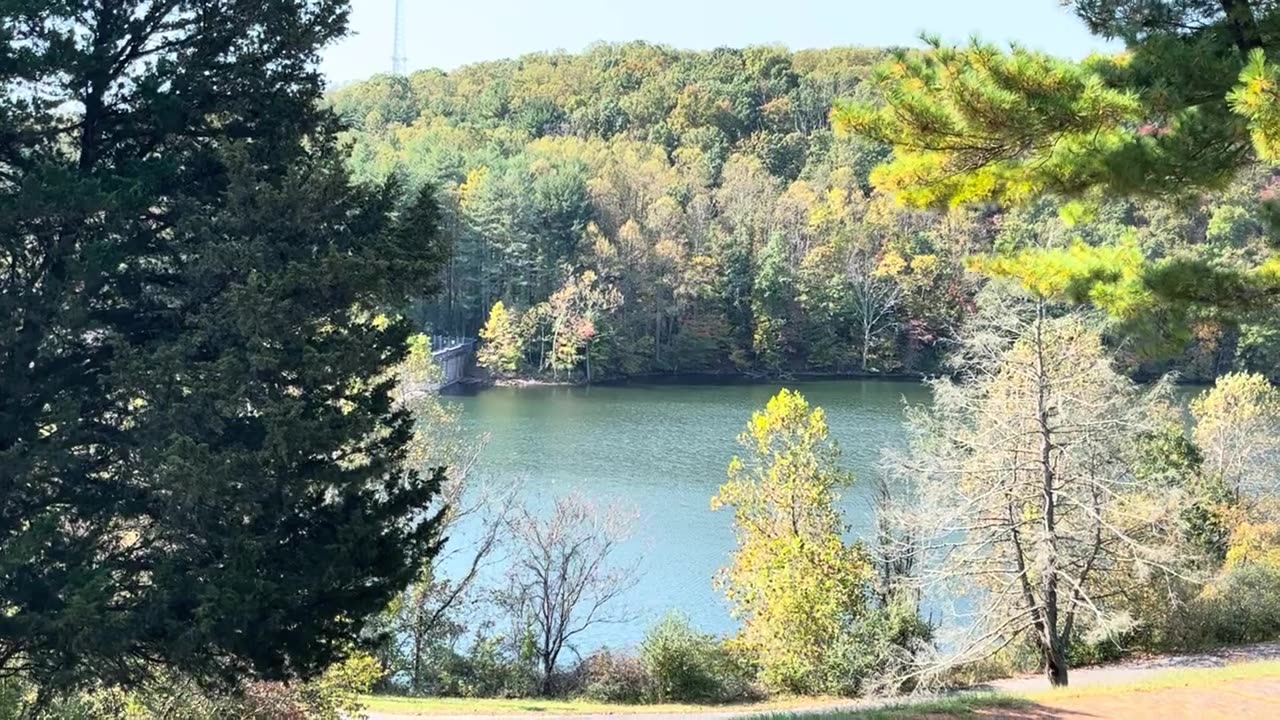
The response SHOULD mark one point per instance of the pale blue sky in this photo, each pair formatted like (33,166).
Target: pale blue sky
(448,33)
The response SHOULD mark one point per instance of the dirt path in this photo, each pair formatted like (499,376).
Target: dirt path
(1237,699)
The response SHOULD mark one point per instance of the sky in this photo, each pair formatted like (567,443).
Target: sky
(448,33)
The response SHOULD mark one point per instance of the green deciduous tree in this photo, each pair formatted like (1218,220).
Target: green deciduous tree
(794,583)
(201,459)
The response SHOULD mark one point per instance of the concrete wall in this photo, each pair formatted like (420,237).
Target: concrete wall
(455,362)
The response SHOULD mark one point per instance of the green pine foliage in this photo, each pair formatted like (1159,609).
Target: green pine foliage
(201,464)
(1184,110)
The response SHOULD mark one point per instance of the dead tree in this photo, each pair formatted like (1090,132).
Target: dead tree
(564,577)
(1024,500)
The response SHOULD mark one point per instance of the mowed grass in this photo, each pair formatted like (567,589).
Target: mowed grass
(958,706)
(982,703)
(535,706)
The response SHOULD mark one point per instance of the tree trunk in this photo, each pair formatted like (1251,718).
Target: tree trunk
(555,351)
(1242,24)
(1055,663)
(657,337)
(416,680)
(548,668)
(866,345)
(1055,657)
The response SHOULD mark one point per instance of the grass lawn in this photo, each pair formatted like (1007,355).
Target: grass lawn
(970,705)
(490,706)
(959,706)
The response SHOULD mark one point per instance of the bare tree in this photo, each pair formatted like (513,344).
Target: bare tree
(474,514)
(895,549)
(563,578)
(1025,505)
(428,614)
(876,297)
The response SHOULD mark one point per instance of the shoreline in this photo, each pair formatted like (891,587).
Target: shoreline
(693,378)
(475,384)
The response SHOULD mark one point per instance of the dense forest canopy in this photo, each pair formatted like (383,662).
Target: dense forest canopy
(724,224)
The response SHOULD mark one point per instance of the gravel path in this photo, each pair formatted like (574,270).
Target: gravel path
(1136,670)
(1119,673)
(1229,700)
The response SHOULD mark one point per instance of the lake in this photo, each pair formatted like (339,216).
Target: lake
(661,451)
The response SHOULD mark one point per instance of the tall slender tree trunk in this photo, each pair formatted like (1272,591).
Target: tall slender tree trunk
(866,344)
(416,680)
(1052,645)
(657,337)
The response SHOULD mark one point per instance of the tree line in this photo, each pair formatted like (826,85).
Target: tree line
(733,228)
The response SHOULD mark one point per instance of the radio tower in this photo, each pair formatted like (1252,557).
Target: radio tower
(398,59)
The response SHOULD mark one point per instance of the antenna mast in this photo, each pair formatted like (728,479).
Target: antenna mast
(398,60)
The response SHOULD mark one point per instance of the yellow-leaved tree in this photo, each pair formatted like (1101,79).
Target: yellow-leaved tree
(793,582)
(1236,428)
(503,346)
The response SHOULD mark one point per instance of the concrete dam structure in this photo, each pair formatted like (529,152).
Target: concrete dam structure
(455,357)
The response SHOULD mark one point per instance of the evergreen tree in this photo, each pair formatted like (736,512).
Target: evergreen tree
(1189,104)
(201,463)
(1174,114)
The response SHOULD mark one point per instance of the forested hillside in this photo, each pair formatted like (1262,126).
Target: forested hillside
(638,209)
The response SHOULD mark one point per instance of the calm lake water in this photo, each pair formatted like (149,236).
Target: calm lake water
(662,450)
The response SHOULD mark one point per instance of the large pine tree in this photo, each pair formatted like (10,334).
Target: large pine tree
(1193,99)
(1174,114)
(201,465)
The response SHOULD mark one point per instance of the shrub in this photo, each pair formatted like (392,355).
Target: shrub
(490,669)
(1085,651)
(16,698)
(609,676)
(687,665)
(1254,543)
(335,695)
(1241,606)
(873,657)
